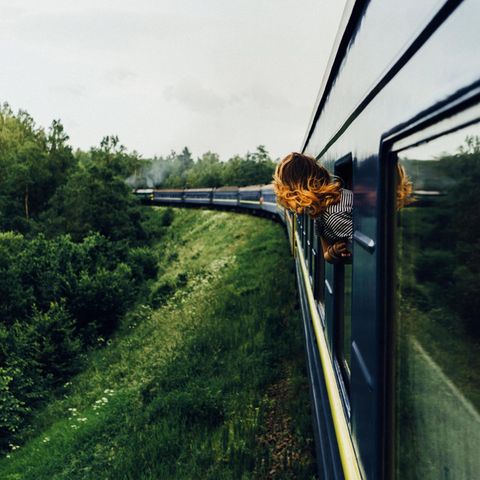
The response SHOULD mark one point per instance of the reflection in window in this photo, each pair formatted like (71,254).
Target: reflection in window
(438,302)
(343,317)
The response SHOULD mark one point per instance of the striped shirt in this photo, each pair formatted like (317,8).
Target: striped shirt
(336,223)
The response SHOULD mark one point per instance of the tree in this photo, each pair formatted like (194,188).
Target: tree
(206,172)
(256,168)
(94,199)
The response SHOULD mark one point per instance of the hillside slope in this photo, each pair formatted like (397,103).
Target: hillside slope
(205,380)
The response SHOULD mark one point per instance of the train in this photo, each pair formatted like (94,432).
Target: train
(256,199)
(392,338)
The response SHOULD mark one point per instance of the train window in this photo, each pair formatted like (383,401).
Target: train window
(437,332)
(307,240)
(311,253)
(317,269)
(305,234)
(343,277)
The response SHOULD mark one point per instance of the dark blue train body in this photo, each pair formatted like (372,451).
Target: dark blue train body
(166,197)
(199,195)
(257,199)
(226,196)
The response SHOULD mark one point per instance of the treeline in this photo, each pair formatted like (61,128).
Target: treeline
(181,171)
(74,258)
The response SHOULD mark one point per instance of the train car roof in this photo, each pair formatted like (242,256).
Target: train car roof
(226,189)
(251,187)
(198,189)
(169,190)
(345,31)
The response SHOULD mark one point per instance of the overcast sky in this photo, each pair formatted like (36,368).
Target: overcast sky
(218,75)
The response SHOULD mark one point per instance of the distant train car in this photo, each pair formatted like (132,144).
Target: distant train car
(268,199)
(168,196)
(199,196)
(144,194)
(226,196)
(249,197)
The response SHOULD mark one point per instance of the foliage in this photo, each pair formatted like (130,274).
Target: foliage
(95,198)
(181,392)
(33,164)
(181,171)
(76,256)
(58,296)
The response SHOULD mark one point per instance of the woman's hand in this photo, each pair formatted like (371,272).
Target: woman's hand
(340,249)
(336,252)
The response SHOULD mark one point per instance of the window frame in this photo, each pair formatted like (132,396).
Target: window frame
(344,165)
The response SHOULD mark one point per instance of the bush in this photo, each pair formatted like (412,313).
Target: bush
(100,299)
(57,297)
(57,347)
(144,263)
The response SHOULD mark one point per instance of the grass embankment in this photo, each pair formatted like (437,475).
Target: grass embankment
(209,384)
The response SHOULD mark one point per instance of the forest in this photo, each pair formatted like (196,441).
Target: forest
(181,171)
(75,250)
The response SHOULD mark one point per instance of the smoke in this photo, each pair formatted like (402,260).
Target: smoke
(135,181)
(150,176)
(156,173)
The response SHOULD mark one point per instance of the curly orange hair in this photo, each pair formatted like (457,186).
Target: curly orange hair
(405,194)
(301,184)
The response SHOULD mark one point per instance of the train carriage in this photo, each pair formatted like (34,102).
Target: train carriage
(268,199)
(199,196)
(393,338)
(226,196)
(168,196)
(249,197)
(144,194)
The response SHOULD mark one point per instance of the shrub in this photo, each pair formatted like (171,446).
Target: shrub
(101,298)
(144,264)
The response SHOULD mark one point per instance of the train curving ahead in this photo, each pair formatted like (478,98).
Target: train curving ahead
(393,338)
(256,199)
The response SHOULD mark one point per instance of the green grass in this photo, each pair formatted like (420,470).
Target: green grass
(182,391)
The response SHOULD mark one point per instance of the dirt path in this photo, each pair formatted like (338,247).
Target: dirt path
(284,455)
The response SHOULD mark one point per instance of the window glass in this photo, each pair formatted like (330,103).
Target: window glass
(313,252)
(437,329)
(307,242)
(343,284)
